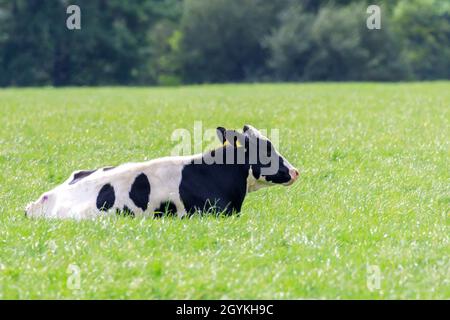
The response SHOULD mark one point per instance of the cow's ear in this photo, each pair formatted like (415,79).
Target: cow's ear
(251,131)
(221,134)
(234,138)
(231,137)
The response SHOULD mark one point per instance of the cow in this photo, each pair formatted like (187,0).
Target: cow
(213,181)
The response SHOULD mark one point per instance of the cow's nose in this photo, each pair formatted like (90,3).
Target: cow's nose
(293,173)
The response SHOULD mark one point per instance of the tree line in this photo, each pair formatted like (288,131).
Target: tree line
(169,42)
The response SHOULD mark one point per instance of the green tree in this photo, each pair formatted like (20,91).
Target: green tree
(26,45)
(333,44)
(291,44)
(424,27)
(164,65)
(194,41)
(222,38)
(112,46)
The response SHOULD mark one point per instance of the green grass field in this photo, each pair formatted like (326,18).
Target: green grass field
(374,190)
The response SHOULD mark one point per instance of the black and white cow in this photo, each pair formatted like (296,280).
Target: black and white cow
(216,180)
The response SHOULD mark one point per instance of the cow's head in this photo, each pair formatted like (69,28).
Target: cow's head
(267,166)
(41,206)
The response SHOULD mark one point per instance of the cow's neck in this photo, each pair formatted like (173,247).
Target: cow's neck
(252,184)
(205,181)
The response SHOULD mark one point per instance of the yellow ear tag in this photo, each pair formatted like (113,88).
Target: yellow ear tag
(238,144)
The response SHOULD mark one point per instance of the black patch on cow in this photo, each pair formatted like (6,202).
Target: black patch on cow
(256,171)
(108,168)
(106,198)
(126,212)
(140,191)
(167,207)
(80,175)
(282,175)
(218,187)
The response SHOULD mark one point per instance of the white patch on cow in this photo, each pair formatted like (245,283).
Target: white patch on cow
(254,184)
(78,200)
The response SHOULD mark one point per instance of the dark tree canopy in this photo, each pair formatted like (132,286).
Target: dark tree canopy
(148,42)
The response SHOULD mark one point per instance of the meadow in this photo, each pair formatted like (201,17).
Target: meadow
(372,200)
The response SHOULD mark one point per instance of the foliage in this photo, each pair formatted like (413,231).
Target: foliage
(221,39)
(424,26)
(195,41)
(291,44)
(334,45)
(111,46)
(164,63)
